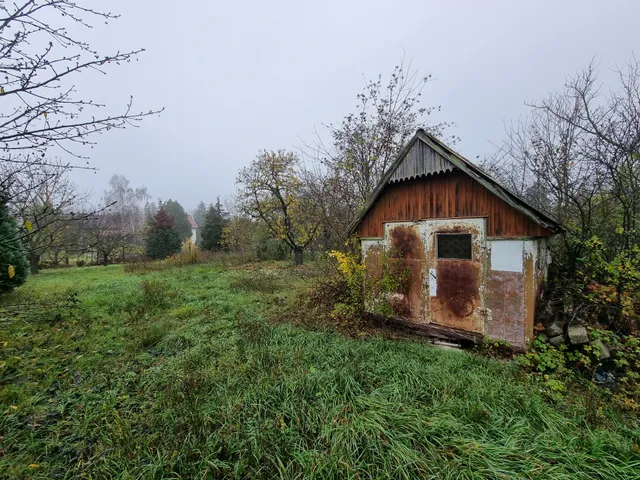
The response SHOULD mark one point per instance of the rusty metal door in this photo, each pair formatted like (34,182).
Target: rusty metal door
(454,264)
(406,255)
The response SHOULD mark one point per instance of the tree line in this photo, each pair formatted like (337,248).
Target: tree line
(576,156)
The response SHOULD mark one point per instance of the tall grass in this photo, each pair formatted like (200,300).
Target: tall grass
(206,388)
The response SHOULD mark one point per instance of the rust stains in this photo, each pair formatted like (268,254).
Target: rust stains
(529,298)
(405,243)
(401,305)
(407,258)
(458,286)
(458,301)
(505,300)
(373,262)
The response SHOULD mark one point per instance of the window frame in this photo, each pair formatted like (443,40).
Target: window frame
(438,235)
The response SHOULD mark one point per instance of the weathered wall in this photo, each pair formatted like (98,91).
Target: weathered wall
(494,293)
(516,274)
(447,195)
(505,291)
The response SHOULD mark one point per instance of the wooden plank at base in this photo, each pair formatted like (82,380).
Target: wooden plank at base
(429,329)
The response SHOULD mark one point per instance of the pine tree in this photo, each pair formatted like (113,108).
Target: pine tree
(14,265)
(163,239)
(214,222)
(180,220)
(199,213)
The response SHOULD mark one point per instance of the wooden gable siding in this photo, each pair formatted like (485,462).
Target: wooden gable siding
(448,195)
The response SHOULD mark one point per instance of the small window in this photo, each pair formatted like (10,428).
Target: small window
(454,245)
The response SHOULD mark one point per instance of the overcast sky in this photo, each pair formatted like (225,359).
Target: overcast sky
(237,77)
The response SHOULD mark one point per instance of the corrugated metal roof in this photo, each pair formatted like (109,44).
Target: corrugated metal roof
(420,161)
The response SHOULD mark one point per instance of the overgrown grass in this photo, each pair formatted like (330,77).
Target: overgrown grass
(176,374)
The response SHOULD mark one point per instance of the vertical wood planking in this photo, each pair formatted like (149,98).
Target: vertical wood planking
(448,195)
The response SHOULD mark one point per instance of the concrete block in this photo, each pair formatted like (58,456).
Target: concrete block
(555,341)
(577,335)
(554,329)
(604,350)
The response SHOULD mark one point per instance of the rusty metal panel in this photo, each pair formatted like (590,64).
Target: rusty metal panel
(420,161)
(407,255)
(509,293)
(458,301)
(506,314)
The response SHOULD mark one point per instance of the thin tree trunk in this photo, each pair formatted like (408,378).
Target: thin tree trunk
(34,261)
(297,256)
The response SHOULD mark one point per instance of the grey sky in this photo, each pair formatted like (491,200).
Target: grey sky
(237,77)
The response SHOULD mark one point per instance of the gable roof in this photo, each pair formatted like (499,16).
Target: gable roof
(426,155)
(192,221)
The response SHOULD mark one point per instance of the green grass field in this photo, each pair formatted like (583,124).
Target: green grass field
(187,373)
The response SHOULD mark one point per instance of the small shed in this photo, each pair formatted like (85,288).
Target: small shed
(476,254)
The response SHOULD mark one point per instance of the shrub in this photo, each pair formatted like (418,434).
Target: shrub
(189,254)
(255,282)
(163,239)
(550,365)
(153,334)
(152,296)
(367,288)
(598,280)
(14,265)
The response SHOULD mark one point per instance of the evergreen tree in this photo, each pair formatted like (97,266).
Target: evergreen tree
(180,220)
(199,213)
(214,222)
(14,265)
(163,239)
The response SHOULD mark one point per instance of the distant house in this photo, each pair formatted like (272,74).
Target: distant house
(194,229)
(476,254)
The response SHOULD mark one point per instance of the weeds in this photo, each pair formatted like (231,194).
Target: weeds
(216,391)
(260,282)
(153,296)
(153,334)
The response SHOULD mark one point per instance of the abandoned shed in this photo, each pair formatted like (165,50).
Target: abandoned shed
(476,255)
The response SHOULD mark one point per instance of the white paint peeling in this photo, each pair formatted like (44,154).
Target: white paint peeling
(506,255)
(367,244)
(530,249)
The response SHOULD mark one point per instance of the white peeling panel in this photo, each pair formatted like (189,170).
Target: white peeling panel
(506,255)
(433,283)
(367,244)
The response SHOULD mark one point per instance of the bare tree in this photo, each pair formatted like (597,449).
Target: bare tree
(45,201)
(344,172)
(103,233)
(611,122)
(128,203)
(577,156)
(39,62)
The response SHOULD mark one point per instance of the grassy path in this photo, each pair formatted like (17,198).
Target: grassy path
(176,374)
